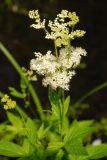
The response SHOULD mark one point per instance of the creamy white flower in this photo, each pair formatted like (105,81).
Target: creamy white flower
(38,23)
(59,79)
(57,30)
(73,19)
(97,142)
(57,71)
(77,53)
(77,33)
(44,64)
(70,57)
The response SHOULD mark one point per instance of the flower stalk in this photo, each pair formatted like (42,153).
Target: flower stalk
(19,70)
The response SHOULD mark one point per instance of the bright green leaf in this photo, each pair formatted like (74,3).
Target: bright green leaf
(98,151)
(59,155)
(42,131)
(76,148)
(31,131)
(55,146)
(66,104)
(85,123)
(11,149)
(27,147)
(55,112)
(76,132)
(14,119)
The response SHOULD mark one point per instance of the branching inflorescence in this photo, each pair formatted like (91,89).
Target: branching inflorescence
(58,68)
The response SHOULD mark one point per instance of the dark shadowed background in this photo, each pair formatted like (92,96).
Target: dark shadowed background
(22,41)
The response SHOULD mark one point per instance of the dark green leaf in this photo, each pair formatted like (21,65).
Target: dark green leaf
(53,97)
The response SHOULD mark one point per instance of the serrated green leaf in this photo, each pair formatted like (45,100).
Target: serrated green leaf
(31,131)
(55,146)
(42,131)
(9,136)
(66,104)
(59,155)
(65,125)
(76,147)
(76,132)
(27,147)
(55,112)
(14,119)
(11,149)
(96,152)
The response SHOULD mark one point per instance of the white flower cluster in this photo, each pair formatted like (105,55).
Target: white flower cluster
(73,18)
(38,24)
(61,28)
(57,71)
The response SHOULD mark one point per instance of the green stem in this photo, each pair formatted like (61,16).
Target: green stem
(96,89)
(56,52)
(62,97)
(19,70)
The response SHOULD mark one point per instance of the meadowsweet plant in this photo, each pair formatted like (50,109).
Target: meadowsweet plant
(51,136)
(58,67)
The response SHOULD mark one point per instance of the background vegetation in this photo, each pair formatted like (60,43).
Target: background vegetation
(22,41)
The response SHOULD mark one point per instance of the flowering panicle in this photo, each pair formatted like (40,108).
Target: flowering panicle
(62,28)
(58,69)
(38,23)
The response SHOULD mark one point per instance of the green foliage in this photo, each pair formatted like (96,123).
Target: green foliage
(16,93)
(31,131)
(96,152)
(66,105)
(52,136)
(15,120)
(50,139)
(54,98)
(11,149)
(101,127)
